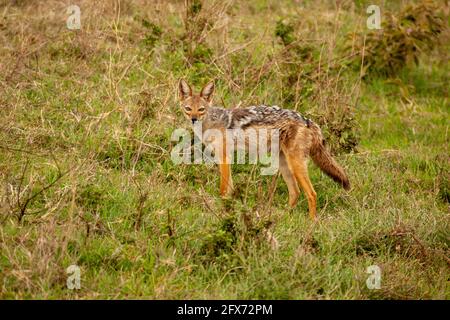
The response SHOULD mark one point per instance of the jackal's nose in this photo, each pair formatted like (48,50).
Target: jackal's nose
(194,120)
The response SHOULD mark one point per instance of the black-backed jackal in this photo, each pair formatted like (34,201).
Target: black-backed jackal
(299,138)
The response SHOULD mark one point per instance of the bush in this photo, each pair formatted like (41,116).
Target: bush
(153,34)
(234,234)
(404,37)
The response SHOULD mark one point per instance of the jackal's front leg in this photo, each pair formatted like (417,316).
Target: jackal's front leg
(226,183)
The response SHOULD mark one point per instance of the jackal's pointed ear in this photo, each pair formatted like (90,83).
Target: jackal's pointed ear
(207,91)
(184,89)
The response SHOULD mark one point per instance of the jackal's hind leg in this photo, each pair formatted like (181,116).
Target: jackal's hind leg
(289,178)
(300,170)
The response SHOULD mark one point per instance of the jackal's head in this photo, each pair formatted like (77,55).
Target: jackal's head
(195,106)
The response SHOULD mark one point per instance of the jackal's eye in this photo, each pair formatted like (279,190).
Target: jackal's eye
(201,109)
(187,108)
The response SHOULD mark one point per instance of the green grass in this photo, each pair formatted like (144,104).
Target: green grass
(99,106)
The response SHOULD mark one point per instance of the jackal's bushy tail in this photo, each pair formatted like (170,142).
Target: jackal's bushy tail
(323,159)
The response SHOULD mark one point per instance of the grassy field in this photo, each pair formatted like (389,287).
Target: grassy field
(86,177)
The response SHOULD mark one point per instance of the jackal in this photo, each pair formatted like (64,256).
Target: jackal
(299,139)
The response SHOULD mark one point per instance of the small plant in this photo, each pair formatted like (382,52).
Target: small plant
(340,127)
(195,7)
(221,241)
(154,33)
(285,31)
(201,53)
(234,233)
(91,197)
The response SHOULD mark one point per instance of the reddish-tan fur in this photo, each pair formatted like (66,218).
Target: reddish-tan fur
(300,139)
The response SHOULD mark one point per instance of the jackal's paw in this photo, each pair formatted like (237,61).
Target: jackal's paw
(226,195)
(293,201)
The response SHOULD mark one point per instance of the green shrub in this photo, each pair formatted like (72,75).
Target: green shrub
(285,31)
(404,36)
(153,34)
(233,234)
